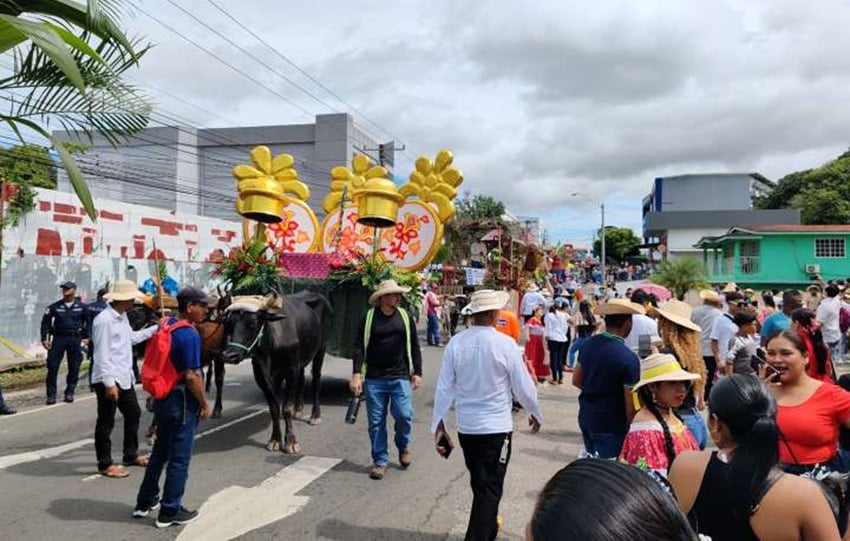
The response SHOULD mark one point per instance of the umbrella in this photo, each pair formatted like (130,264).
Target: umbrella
(658,290)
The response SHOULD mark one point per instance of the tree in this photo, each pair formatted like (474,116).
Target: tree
(69,59)
(29,165)
(680,275)
(620,243)
(822,194)
(480,207)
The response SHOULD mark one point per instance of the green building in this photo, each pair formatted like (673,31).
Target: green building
(777,255)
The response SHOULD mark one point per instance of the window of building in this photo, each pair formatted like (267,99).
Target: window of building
(830,248)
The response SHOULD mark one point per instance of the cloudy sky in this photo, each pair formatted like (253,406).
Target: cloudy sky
(537,100)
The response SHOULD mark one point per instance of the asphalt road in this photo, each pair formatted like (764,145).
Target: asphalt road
(51,490)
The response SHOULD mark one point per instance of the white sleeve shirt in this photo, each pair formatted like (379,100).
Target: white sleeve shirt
(723,330)
(482,370)
(113,341)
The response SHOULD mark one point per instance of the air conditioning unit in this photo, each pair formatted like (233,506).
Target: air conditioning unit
(812,268)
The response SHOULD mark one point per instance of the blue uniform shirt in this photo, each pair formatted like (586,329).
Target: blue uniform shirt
(60,319)
(185,348)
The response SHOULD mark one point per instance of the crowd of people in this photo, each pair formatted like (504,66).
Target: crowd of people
(731,411)
(726,420)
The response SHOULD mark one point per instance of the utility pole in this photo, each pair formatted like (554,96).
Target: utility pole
(604,268)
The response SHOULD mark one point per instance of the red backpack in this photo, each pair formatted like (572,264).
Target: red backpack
(158,374)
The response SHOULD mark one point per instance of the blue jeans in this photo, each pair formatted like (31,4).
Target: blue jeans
(396,394)
(433,333)
(176,416)
(834,350)
(2,402)
(693,420)
(573,351)
(603,444)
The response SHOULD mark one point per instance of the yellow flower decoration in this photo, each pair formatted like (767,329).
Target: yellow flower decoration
(276,177)
(436,183)
(354,179)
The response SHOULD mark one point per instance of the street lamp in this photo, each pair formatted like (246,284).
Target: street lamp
(602,235)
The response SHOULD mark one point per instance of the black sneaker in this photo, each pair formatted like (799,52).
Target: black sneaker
(50,400)
(181,516)
(6,410)
(142,512)
(69,398)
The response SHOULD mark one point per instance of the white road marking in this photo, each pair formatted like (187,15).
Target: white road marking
(57,405)
(50,452)
(238,510)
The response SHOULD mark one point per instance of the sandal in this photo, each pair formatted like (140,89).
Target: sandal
(115,471)
(140,460)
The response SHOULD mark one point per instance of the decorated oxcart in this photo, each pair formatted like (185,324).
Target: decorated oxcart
(370,230)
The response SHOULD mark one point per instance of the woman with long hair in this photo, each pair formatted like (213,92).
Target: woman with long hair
(737,492)
(820,361)
(603,500)
(535,352)
(556,327)
(657,433)
(582,326)
(682,337)
(768,306)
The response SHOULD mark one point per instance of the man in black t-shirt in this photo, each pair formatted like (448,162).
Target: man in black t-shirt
(387,357)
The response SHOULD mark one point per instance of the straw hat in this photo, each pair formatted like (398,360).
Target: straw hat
(749,291)
(662,367)
(124,290)
(679,313)
(485,300)
(385,288)
(731,286)
(532,287)
(622,307)
(709,295)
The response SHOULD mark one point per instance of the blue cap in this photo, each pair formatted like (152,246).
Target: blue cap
(68,285)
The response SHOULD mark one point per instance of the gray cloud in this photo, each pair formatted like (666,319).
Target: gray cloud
(542,100)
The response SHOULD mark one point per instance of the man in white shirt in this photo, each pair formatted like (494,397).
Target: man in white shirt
(705,315)
(641,323)
(113,379)
(481,370)
(828,315)
(724,329)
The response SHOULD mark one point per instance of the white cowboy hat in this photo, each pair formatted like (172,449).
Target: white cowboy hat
(731,286)
(124,290)
(662,367)
(709,295)
(485,300)
(623,307)
(679,313)
(533,287)
(386,287)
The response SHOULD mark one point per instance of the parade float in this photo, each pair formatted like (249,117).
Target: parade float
(372,230)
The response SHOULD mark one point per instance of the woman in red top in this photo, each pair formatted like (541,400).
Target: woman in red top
(820,363)
(535,351)
(810,411)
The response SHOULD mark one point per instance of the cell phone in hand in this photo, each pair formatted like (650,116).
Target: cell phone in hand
(770,368)
(445,444)
(644,345)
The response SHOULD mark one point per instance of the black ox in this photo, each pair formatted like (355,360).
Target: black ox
(281,335)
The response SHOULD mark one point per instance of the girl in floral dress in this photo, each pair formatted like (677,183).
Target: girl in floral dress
(535,351)
(657,434)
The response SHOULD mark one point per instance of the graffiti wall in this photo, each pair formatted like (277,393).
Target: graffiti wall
(58,242)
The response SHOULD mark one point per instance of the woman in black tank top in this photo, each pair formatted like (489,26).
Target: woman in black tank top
(722,492)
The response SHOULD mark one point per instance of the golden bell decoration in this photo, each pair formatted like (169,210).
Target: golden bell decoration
(377,203)
(436,183)
(366,184)
(263,187)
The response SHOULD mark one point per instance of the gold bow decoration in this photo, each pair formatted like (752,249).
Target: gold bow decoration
(436,183)
(273,177)
(348,181)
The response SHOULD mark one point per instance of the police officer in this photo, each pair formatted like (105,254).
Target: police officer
(66,320)
(95,308)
